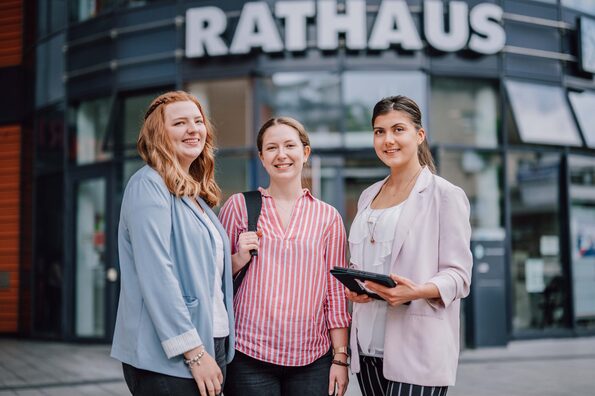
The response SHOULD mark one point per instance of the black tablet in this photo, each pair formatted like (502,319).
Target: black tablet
(354,279)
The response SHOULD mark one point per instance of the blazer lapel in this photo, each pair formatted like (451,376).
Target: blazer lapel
(413,206)
(213,217)
(194,209)
(371,194)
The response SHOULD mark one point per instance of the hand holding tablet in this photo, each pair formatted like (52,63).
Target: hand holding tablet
(354,279)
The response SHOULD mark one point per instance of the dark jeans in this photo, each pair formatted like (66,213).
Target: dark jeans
(148,383)
(251,377)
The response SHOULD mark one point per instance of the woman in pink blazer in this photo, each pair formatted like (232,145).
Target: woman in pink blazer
(412,225)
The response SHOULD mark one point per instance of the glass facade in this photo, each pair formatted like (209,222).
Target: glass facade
(133,109)
(583,104)
(312,98)
(515,131)
(48,265)
(90,258)
(464,111)
(361,91)
(228,104)
(538,277)
(586,6)
(542,114)
(90,122)
(480,175)
(582,239)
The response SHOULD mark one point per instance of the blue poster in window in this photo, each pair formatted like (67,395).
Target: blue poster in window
(583,260)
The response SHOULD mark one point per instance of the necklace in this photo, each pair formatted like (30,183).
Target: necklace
(372,225)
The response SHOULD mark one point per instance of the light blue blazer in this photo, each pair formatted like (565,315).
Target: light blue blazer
(167,264)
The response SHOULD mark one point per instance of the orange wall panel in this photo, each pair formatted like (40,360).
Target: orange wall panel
(10,154)
(11,33)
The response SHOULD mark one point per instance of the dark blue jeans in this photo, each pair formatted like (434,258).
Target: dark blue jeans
(251,377)
(148,383)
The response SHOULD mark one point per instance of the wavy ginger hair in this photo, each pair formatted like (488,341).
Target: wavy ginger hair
(156,149)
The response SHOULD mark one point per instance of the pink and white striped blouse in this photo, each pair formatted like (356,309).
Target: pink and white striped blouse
(288,301)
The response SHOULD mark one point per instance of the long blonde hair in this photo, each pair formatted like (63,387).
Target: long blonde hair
(156,149)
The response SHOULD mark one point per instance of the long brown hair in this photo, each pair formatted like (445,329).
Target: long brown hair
(408,106)
(156,149)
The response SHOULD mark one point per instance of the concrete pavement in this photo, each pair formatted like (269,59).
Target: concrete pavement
(551,367)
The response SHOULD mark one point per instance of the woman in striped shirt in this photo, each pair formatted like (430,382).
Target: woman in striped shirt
(289,309)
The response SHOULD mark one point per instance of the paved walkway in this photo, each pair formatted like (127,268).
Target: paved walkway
(524,368)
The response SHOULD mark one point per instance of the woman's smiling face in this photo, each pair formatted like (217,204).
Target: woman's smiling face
(186,129)
(283,154)
(396,139)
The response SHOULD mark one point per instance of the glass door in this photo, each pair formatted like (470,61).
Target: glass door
(539,281)
(94,277)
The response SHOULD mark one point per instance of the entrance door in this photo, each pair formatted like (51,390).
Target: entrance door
(539,279)
(94,275)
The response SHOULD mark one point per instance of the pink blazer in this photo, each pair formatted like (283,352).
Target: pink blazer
(431,244)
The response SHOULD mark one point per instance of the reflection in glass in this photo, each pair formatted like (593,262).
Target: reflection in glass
(85,9)
(480,176)
(90,259)
(129,168)
(359,174)
(91,120)
(539,287)
(582,228)
(324,177)
(134,108)
(232,175)
(49,85)
(48,255)
(228,105)
(49,141)
(311,98)
(362,90)
(586,6)
(464,112)
(583,104)
(542,114)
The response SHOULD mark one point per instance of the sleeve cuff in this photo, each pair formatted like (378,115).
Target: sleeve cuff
(179,344)
(445,289)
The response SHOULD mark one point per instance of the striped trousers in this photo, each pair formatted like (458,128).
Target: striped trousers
(372,382)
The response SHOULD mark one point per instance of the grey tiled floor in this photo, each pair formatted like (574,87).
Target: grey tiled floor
(525,368)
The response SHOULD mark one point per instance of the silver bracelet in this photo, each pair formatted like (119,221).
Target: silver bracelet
(194,360)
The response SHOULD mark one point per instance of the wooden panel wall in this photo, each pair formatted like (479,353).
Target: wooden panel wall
(10,157)
(11,32)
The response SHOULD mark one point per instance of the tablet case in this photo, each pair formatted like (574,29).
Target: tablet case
(351,278)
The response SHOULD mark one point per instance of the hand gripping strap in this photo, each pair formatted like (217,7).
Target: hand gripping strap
(253,201)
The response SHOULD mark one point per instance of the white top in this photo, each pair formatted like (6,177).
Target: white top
(378,225)
(220,319)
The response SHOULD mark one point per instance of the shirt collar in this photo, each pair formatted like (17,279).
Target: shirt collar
(305,192)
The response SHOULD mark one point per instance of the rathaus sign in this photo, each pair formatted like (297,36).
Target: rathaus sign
(478,28)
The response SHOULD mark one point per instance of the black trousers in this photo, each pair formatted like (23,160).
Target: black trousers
(149,383)
(252,377)
(372,382)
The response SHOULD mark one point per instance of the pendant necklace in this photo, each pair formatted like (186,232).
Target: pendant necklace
(372,227)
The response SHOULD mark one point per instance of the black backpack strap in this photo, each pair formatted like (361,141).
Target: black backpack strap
(253,201)
(253,205)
